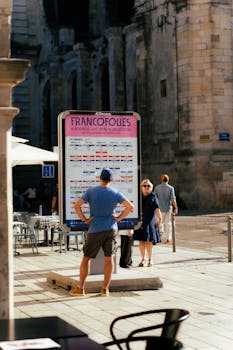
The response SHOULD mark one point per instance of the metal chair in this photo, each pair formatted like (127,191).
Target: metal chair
(65,236)
(76,234)
(169,326)
(150,343)
(24,234)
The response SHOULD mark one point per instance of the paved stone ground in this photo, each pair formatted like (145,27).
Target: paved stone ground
(202,230)
(196,277)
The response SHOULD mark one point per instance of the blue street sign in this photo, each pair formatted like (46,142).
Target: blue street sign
(224,136)
(48,171)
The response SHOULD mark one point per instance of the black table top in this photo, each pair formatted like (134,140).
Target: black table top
(81,343)
(42,327)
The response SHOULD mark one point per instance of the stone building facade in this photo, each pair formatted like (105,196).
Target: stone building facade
(169,60)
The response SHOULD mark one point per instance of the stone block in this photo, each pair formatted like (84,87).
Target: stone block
(117,285)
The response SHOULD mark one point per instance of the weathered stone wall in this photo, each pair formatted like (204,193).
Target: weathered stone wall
(156,65)
(31,39)
(173,65)
(194,55)
(98,18)
(205,99)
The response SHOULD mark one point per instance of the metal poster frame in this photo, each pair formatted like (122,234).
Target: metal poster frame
(89,141)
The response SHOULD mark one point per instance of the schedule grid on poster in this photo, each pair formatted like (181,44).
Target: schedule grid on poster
(91,143)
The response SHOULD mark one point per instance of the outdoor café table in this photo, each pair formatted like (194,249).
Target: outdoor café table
(63,333)
(81,343)
(41,327)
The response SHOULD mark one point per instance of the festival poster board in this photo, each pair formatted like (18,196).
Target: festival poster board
(89,141)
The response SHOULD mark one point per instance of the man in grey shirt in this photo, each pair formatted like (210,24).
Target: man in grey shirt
(165,194)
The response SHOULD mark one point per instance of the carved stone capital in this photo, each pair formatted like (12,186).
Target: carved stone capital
(12,72)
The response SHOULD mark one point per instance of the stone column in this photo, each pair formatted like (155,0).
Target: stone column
(143,93)
(6,241)
(83,76)
(116,57)
(130,71)
(56,96)
(5,13)
(11,73)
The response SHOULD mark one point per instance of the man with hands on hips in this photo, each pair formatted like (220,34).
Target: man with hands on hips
(102,227)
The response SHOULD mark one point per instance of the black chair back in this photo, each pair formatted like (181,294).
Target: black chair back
(169,327)
(173,319)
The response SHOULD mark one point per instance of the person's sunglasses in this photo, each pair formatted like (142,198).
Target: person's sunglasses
(145,185)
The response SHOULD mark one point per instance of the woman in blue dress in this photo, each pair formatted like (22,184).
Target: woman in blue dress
(148,234)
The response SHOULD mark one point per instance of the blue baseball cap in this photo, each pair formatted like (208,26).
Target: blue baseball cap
(106,174)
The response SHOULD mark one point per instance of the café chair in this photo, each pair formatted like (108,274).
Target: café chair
(64,238)
(76,235)
(149,343)
(24,234)
(171,321)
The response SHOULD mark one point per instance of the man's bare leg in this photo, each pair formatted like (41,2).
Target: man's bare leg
(84,271)
(108,270)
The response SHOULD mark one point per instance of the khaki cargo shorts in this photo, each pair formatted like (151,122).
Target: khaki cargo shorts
(104,239)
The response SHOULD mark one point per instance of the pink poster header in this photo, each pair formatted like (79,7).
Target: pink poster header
(91,125)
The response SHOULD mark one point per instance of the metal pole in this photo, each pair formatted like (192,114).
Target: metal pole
(229,239)
(173,233)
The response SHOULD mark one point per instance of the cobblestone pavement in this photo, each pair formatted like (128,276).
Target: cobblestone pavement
(197,277)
